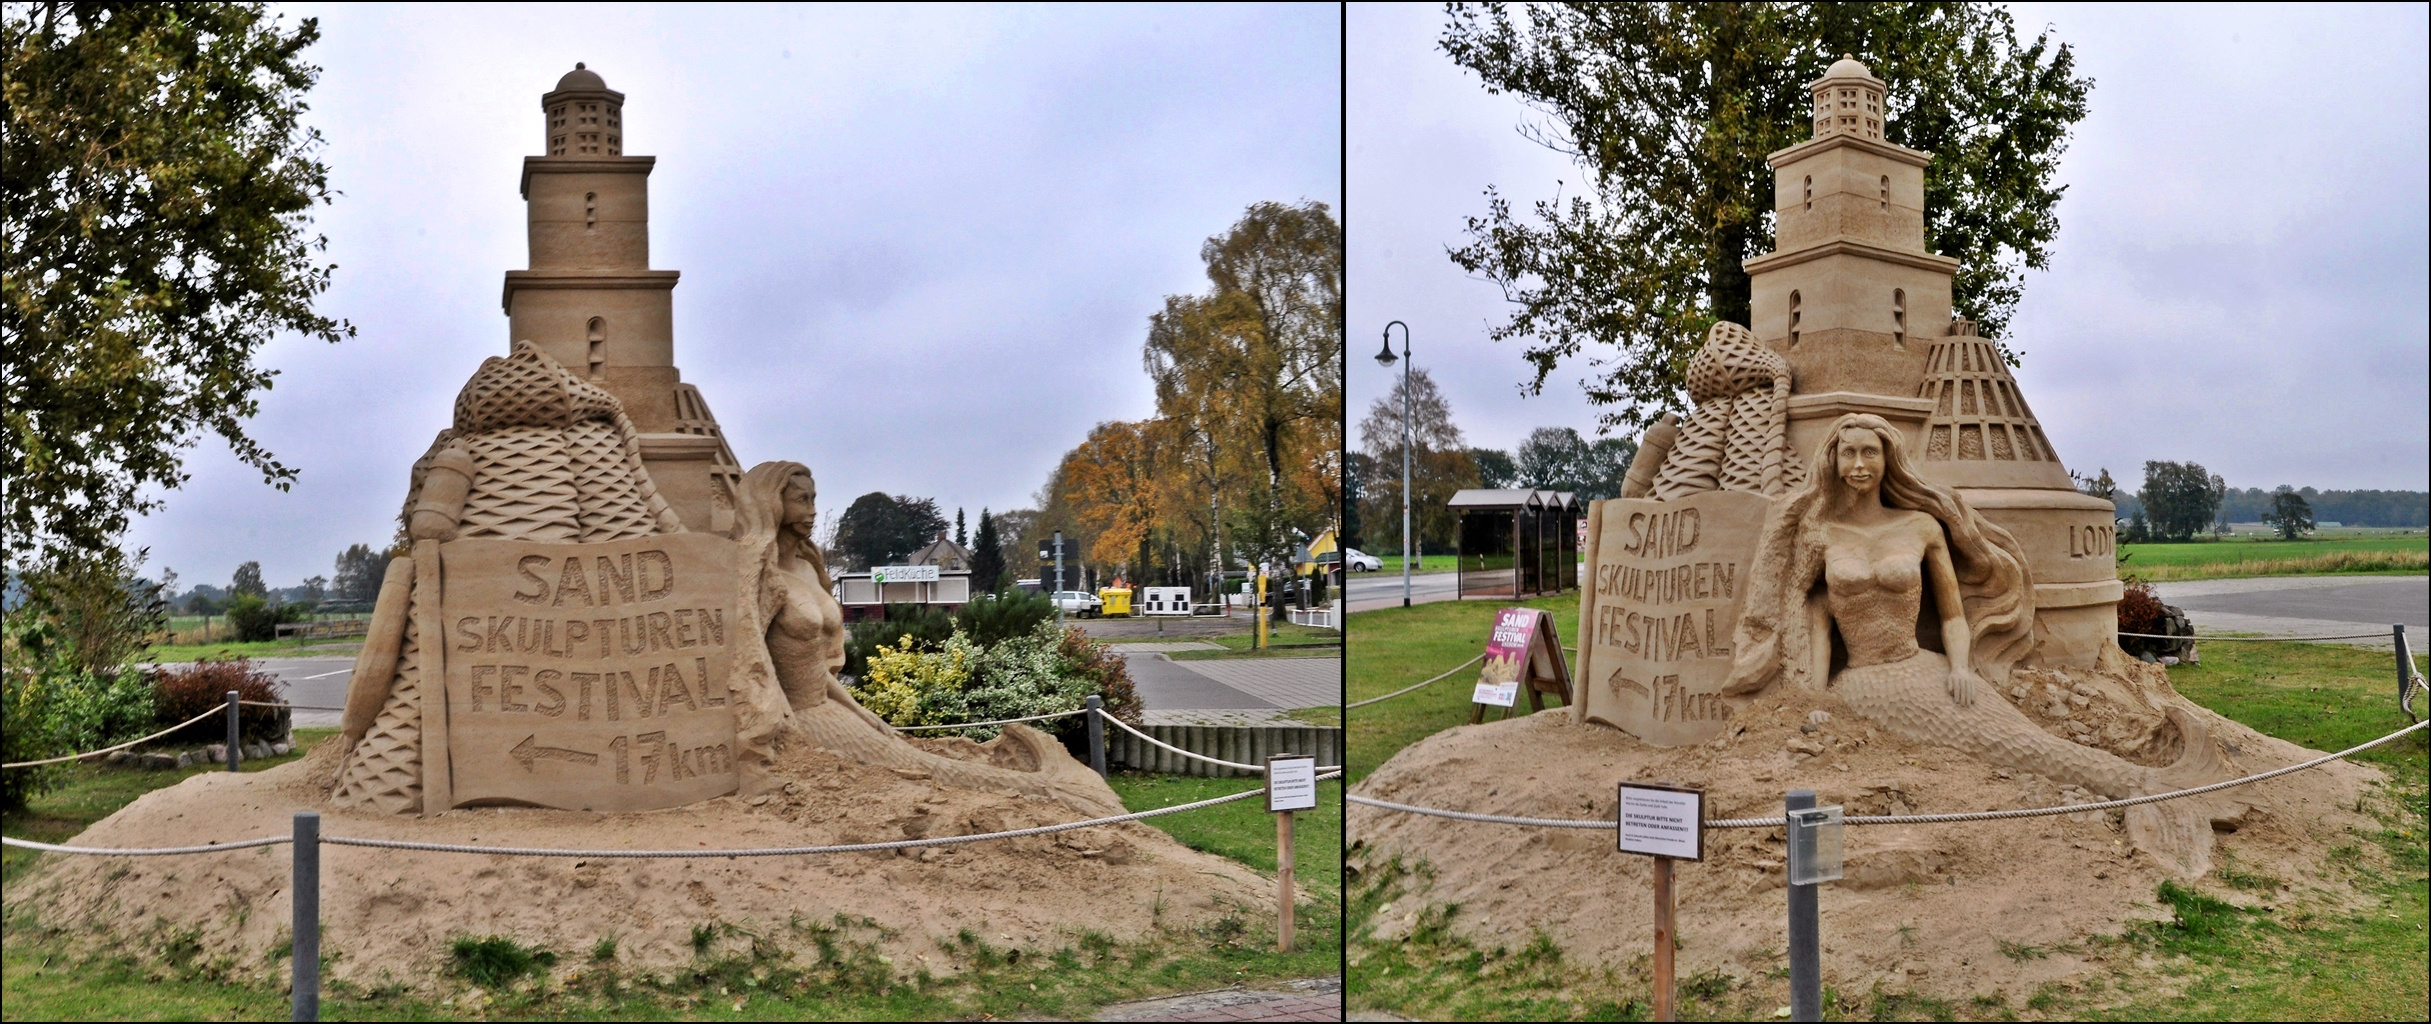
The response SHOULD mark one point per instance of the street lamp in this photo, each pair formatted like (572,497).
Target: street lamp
(1386,359)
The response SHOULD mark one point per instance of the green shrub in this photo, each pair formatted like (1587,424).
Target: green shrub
(1043,671)
(928,627)
(184,693)
(991,619)
(50,706)
(253,619)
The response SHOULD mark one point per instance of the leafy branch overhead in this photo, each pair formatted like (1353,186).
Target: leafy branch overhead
(1670,109)
(158,187)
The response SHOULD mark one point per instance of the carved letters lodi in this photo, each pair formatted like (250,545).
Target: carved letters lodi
(1662,599)
(590,675)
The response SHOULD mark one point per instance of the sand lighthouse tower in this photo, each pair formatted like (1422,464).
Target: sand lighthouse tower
(591,301)
(1860,308)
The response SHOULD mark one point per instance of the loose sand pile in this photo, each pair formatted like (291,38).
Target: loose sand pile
(390,915)
(1922,907)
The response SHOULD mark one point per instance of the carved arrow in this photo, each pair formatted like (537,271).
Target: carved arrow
(527,752)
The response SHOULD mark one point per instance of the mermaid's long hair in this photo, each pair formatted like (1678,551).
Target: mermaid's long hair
(1776,635)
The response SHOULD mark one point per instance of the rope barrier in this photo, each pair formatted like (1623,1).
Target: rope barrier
(215,710)
(1259,768)
(1907,819)
(782,851)
(1000,721)
(1372,700)
(2250,639)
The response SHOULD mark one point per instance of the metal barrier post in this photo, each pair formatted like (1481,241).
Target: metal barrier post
(304,963)
(2405,669)
(234,749)
(1805,958)
(1097,736)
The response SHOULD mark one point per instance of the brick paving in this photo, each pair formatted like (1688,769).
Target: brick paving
(1282,682)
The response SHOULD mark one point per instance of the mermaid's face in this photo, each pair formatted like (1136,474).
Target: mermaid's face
(1859,453)
(801,504)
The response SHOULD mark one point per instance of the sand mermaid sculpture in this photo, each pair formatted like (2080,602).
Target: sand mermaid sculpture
(1852,557)
(790,677)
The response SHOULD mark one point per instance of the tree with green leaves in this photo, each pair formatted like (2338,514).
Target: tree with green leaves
(359,573)
(987,557)
(881,530)
(1495,468)
(2289,514)
(248,580)
(1439,465)
(159,190)
(1669,110)
(2180,498)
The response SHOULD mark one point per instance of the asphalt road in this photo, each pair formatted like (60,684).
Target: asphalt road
(313,681)
(1368,591)
(2305,605)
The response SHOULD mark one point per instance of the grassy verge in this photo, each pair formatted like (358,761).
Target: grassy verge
(1391,648)
(738,976)
(2312,955)
(1284,640)
(2229,559)
(320,648)
(1426,564)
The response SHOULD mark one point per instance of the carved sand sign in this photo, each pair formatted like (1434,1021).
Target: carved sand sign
(1666,586)
(590,676)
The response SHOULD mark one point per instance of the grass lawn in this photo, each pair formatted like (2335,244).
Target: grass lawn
(1284,640)
(2307,960)
(848,982)
(1426,563)
(322,648)
(1390,648)
(2225,559)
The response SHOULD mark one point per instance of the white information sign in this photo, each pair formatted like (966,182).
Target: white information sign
(1291,783)
(1662,820)
(904,574)
(1501,695)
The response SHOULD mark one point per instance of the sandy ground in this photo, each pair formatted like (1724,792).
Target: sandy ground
(1922,908)
(390,915)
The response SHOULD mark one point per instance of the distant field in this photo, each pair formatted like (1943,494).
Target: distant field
(2222,559)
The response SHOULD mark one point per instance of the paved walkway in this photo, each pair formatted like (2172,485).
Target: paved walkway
(2306,605)
(1307,999)
(1243,691)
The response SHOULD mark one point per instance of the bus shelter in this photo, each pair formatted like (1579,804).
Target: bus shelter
(1516,542)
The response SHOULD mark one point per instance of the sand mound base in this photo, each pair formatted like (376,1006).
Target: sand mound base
(389,916)
(1922,907)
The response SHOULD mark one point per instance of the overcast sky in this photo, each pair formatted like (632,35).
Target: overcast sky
(919,245)
(2239,278)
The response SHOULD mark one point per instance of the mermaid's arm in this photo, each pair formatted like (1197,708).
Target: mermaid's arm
(1956,639)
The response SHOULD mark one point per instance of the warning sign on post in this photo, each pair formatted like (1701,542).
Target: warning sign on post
(1291,783)
(1662,820)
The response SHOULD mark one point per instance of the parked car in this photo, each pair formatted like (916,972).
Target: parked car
(1079,602)
(1360,561)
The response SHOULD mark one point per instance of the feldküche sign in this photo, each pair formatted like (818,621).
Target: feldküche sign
(590,676)
(904,574)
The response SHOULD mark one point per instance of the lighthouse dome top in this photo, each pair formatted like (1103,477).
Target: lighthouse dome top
(1848,100)
(584,78)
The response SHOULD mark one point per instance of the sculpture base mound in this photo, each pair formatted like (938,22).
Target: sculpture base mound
(1922,908)
(390,915)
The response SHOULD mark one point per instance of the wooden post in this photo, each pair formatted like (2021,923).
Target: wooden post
(1283,865)
(1663,941)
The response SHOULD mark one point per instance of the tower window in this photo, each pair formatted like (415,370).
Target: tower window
(598,333)
(1886,192)
(590,215)
(1810,192)
(1899,318)
(1795,314)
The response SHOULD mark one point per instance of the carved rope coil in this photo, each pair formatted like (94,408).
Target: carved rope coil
(1738,438)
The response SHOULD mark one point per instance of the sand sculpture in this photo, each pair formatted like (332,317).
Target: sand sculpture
(607,634)
(1858,553)
(605,648)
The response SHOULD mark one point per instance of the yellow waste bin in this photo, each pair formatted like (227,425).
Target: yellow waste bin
(1117,601)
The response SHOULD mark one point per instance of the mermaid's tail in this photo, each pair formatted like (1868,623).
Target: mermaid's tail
(2179,832)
